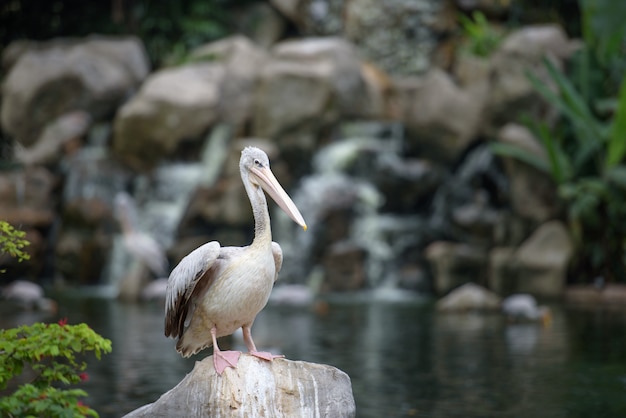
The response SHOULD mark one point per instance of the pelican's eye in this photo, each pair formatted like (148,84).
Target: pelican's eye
(258,163)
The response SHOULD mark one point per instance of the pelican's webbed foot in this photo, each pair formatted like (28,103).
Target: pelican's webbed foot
(224,359)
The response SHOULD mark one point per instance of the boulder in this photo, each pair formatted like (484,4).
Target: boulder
(49,79)
(539,266)
(281,388)
(262,23)
(62,136)
(532,192)
(242,61)
(519,53)
(455,264)
(469,297)
(308,84)
(542,260)
(471,71)
(441,118)
(181,104)
(173,105)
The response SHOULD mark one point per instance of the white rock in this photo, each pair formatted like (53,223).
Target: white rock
(257,388)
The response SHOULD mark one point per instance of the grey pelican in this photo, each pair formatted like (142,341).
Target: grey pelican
(29,296)
(524,307)
(141,245)
(221,289)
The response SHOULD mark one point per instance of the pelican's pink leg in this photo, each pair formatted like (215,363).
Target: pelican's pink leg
(223,359)
(247,338)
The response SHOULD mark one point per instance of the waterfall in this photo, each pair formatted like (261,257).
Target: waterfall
(344,177)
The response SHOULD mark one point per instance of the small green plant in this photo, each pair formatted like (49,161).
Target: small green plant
(12,241)
(482,38)
(50,352)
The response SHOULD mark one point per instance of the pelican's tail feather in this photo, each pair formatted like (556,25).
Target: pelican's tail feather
(188,347)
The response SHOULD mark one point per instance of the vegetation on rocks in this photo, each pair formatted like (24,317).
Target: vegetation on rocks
(482,38)
(587,146)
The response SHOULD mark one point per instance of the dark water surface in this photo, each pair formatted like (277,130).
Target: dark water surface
(404,359)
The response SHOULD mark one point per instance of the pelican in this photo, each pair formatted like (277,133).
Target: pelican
(141,245)
(524,307)
(29,296)
(221,289)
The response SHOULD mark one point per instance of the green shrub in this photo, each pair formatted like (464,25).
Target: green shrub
(587,147)
(50,351)
(481,37)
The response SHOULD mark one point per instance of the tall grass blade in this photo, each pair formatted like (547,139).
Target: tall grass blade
(513,151)
(559,163)
(617,137)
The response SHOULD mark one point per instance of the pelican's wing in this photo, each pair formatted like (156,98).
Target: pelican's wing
(182,282)
(277,252)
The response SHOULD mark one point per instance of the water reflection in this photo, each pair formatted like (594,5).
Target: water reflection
(404,359)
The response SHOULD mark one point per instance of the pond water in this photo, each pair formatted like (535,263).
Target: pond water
(404,359)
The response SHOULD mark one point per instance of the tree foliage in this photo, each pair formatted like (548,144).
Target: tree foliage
(12,241)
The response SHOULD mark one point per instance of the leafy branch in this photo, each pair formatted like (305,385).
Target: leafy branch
(12,241)
(51,351)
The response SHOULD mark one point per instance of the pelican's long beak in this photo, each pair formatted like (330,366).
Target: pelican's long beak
(268,182)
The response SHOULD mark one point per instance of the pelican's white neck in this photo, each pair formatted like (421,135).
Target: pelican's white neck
(262,226)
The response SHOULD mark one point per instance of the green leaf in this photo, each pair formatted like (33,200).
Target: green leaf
(559,163)
(570,97)
(617,137)
(509,150)
(570,103)
(76,346)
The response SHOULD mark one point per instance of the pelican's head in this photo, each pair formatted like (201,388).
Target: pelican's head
(255,166)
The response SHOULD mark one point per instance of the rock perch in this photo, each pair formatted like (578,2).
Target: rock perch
(257,388)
